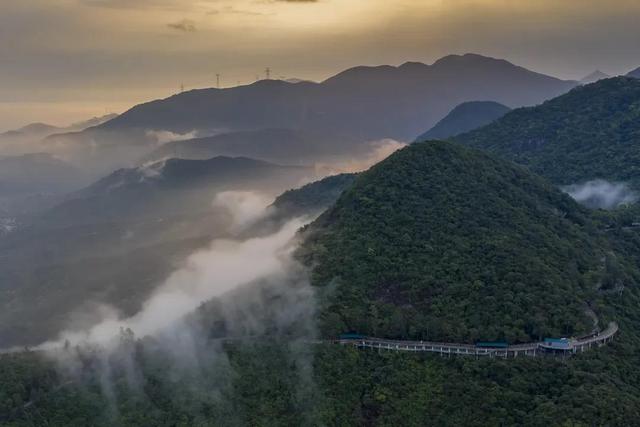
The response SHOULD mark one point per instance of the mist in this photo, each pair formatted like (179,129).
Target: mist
(164,136)
(247,293)
(224,266)
(601,194)
(376,151)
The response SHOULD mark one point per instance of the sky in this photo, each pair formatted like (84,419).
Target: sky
(66,60)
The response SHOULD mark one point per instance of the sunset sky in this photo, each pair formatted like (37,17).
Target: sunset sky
(64,60)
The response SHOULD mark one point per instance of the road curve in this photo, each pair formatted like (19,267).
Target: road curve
(534,349)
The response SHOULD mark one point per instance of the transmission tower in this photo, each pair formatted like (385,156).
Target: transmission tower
(218,81)
(268,73)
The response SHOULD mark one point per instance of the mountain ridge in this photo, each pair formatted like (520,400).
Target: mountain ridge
(317,105)
(464,118)
(586,134)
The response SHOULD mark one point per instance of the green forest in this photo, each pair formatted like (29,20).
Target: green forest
(589,133)
(437,242)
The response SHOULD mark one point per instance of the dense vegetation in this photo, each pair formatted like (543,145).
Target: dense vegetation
(464,118)
(591,132)
(315,196)
(441,242)
(436,229)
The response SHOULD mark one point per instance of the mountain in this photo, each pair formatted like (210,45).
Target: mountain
(594,77)
(365,103)
(424,230)
(589,133)
(145,222)
(41,130)
(37,173)
(635,73)
(172,187)
(372,102)
(465,117)
(35,129)
(275,145)
(437,241)
(27,138)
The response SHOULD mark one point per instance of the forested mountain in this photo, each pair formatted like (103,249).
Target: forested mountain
(314,197)
(465,117)
(423,232)
(437,241)
(589,133)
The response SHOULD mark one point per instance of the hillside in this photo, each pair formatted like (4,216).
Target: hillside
(313,197)
(465,117)
(589,133)
(635,73)
(441,242)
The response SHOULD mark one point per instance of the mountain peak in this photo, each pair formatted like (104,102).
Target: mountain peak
(594,77)
(469,59)
(441,225)
(464,118)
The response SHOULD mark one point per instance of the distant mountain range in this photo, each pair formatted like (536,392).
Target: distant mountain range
(27,139)
(362,103)
(37,173)
(594,77)
(274,145)
(589,133)
(465,117)
(371,102)
(144,221)
(635,73)
(41,130)
(172,187)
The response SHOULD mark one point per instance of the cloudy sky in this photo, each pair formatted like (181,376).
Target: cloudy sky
(63,60)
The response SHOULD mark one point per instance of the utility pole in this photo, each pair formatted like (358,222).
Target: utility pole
(181,87)
(268,73)
(218,81)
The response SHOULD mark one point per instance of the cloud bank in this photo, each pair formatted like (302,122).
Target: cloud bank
(601,194)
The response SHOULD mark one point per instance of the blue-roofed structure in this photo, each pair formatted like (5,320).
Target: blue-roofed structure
(561,344)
